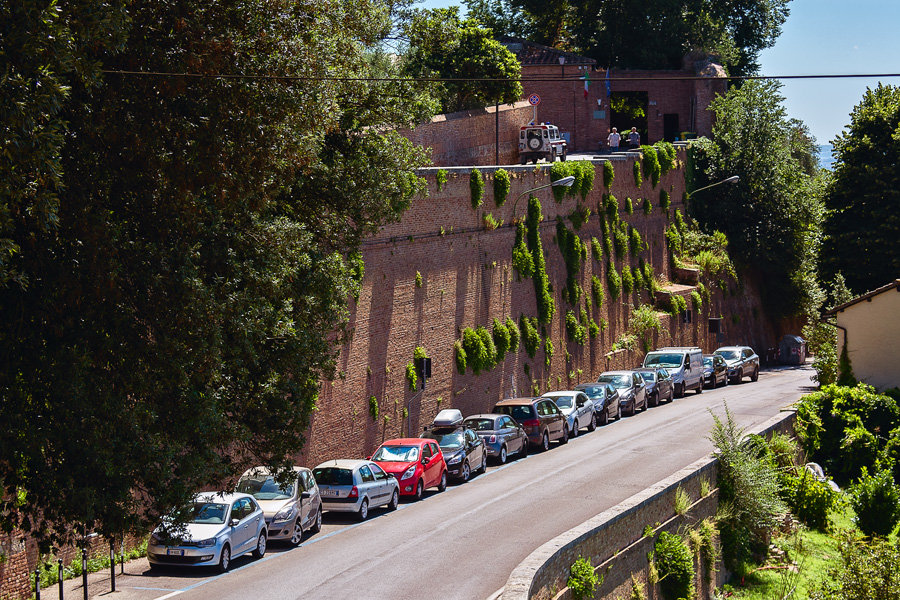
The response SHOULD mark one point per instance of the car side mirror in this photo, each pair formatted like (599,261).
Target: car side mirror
(235,522)
(425,461)
(304,495)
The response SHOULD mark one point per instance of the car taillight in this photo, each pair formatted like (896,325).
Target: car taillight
(354,493)
(531,423)
(492,439)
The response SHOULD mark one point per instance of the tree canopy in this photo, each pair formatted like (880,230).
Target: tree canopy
(643,35)
(772,215)
(441,45)
(177,252)
(862,226)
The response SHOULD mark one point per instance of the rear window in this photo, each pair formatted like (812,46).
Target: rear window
(594,391)
(480,424)
(648,375)
(617,381)
(518,412)
(564,401)
(333,476)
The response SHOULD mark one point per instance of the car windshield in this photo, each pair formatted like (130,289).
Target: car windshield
(729,354)
(662,360)
(396,454)
(333,476)
(707,361)
(209,513)
(264,487)
(480,424)
(519,413)
(564,401)
(648,376)
(449,441)
(594,391)
(617,381)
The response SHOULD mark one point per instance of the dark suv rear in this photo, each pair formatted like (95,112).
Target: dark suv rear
(541,418)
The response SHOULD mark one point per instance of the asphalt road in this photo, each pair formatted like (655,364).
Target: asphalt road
(465,542)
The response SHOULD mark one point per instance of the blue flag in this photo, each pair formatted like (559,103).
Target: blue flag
(608,87)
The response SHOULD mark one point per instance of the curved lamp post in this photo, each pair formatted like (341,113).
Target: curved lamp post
(732,179)
(565,181)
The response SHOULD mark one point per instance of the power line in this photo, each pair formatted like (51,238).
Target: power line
(549,78)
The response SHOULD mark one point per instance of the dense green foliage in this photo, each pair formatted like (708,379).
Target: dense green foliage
(809,499)
(867,570)
(574,252)
(581,170)
(609,174)
(613,280)
(576,330)
(480,351)
(772,216)
(476,187)
(441,45)
(546,306)
(863,198)
(596,249)
(675,566)
(596,291)
(179,252)
(582,579)
(501,186)
(876,501)
(530,335)
(522,260)
(650,162)
(638,177)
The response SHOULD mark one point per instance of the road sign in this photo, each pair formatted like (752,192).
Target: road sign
(534,99)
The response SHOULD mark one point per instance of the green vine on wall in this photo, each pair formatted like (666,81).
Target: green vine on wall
(441,178)
(651,164)
(544,299)
(638,179)
(574,253)
(609,174)
(501,186)
(476,187)
(530,336)
(522,260)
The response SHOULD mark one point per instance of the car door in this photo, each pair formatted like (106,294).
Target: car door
(514,435)
(240,528)
(368,487)
(431,468)
(312,502)
(585,408)
(385,484)
(555,418)
(474,449)
(640,391)
(302,503)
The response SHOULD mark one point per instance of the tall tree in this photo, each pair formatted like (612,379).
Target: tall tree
(178,309)
(863,222)
(773,215)
(443,46)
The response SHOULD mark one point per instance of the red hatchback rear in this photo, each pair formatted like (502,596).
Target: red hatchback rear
(416,463)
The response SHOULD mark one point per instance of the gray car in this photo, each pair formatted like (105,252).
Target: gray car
(631,388)
(742,362)
(606,401)
(501,434)
(220,526)
(660,386)
(290,509)
(355,486)
(577,407)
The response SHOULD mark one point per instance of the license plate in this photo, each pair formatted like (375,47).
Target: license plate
(329,493)
(174,552)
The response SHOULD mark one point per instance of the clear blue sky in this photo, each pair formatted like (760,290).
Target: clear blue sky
(826,37)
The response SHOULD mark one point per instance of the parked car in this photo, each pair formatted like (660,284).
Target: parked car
(291,508)
(631,388)
(606,401)
(714,370)
(541,141)
(577,407)
(742,361)
(541,418)
(660,386)
(463,450)
(501,435)
(355,486)
(220,527)
(684,364)
(416,463)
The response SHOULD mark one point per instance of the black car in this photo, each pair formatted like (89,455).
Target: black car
(660,386)
(463,450)
(714,371)
(606,401)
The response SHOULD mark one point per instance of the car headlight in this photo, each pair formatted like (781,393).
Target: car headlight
(409,472)
(206,543)
(285,514)
(455,459)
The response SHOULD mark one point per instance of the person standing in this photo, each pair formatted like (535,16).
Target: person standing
(634,138)
(613,140)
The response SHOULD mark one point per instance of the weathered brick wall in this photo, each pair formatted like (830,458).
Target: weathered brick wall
(470,137)
(467,280)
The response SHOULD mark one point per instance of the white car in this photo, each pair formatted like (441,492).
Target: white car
(355,486)
(290,509)
(220,527)
(577,408)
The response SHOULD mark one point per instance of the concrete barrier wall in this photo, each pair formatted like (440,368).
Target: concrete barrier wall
(614,540)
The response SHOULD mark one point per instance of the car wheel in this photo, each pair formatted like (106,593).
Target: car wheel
(443,484)
(225,559)
(524,451)
(502,456)
(466,472)
(317,524)
(565,438)
(605,418)
(297,533)
(592,424)
(395,500)
(363,512)
(755,375)
(483,468)
(545,442)
(420,490)
(679,390)
(619,411)
(737,377)
(260,549)
(575,426)
(700,388)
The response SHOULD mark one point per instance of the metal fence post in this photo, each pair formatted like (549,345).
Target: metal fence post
(84,571)
(112,564)
(60,577)
(37,583)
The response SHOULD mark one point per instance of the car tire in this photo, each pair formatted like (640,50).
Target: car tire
(738,377)
(483,468)
(224,559)
(317,524)
(420,490)
(679,390)
(260,549)
(395,500)
(565,438)
(443,484)
(619,411)
(545,442)
(502,456)
(524,451)
(700,388)
(755,375)
(465,472)
(574,432)
(363,513)
(592,424)
(297,533)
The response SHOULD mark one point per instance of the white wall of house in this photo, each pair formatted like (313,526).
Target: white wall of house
(873,338)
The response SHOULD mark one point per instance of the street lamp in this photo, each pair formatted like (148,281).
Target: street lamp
(732,179)
(565,181)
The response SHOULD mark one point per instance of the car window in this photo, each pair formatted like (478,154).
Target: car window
(209,513)
(617,381)
(552,408)
(333,476)
(564,401)
(378,473)
(308,481)
(427,452)
(480,424)
(249,507)
(470,436)
(434,449)
(366,474)
(662,360)
(264,487)
(237,509)
(301,483)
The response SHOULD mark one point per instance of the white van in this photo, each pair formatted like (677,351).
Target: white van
(684,364)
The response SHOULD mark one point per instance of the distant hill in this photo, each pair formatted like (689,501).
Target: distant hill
(826,161)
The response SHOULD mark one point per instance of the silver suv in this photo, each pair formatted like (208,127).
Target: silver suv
(541,141)
(742,362)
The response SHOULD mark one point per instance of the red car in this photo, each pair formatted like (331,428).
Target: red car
(416,463)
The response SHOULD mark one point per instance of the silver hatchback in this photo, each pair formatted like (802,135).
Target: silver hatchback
(355,486)
(290,508)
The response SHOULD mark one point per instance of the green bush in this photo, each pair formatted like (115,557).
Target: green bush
(696,301)
(582,579)
(867,570)
(513,330)
(585,177)
(635,242)
(638,179)
(441,178)
(613,281)
(809,499)
(545,303)
(596,291)
(673,240)
(476,187)
(558,170)
(596,248)
(611,208)
(651,164)
(460,356)
(629,206)
(548,351)
(411,376)
(648,207)
(876,501)
(530,335)
(574,328)
(666,154)
(627,279)
(579,216)
(490,223)
(522,260)
(677,304)
(664,200)
(573,251)
(675,566)
(609,173)
(620,240)
(373,407)
(501,186)
(501,338)
(479,349)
